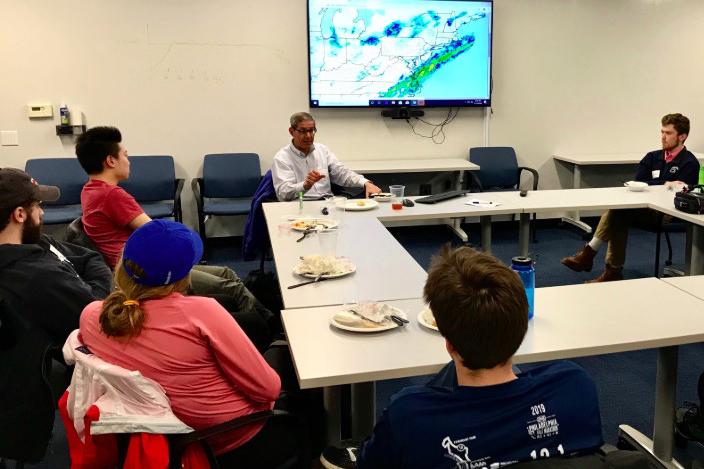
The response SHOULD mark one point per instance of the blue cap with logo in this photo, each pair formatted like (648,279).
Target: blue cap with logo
(165,250)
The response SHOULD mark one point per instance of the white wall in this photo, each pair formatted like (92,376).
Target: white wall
(193,77)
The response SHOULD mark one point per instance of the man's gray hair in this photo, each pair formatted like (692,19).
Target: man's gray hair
(299,117)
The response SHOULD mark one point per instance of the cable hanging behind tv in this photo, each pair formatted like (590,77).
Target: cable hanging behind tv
(400,54)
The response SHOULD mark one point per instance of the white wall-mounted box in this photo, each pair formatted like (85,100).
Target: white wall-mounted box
(39,110)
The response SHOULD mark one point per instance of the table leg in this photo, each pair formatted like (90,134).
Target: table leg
(485,222)
(456,227)
(363,413)
(460,180)
(332,401)
(695,233)
(524,234)
(660,448)
(576,184)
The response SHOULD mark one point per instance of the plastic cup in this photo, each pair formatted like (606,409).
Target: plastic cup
(339,202)
(328,242)
(397,196)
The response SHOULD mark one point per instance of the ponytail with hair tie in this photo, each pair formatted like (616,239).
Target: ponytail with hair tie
(130,303)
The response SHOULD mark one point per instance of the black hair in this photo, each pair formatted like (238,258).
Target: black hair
(94,146)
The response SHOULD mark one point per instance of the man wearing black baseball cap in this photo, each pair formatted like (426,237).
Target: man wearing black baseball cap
(47,281)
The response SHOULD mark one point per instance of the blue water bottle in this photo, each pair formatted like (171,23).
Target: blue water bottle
(524,268)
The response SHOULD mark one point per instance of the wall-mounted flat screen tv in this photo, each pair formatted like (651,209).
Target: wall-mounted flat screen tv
(389,53)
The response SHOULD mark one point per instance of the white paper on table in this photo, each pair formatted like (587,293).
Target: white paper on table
(482,203)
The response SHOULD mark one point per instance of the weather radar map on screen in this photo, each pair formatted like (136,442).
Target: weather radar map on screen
(386,53)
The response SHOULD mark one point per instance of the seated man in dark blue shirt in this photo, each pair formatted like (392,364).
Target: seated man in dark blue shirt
(490,417)
(671,166)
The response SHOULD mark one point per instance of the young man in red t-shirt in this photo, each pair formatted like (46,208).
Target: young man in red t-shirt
(110,215)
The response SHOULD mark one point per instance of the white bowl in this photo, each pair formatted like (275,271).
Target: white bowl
(635,186)
(383,196)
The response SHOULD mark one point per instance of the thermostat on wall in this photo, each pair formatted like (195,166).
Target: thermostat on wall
(39,110)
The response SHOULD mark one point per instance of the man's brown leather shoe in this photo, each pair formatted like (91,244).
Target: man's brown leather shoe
(582,261)
(610,274)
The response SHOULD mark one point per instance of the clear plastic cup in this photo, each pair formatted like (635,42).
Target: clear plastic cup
(339,202)
(397,196)
(327,240)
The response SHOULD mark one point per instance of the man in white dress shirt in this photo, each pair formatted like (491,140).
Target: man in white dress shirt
(302,166)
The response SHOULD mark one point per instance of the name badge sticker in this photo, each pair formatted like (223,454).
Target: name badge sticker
(656,173)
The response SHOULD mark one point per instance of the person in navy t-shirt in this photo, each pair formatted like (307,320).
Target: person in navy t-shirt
(489,417)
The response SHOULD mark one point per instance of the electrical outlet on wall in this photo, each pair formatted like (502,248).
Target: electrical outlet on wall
(9,138)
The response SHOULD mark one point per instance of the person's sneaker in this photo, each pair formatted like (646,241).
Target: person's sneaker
(610,274)
(340,457)
(583,261)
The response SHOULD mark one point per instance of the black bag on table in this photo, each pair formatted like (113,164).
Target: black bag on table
(689,201)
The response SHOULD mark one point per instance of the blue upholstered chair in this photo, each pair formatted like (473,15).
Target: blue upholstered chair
(499,171)
(67,174)
(228,184)
(153,183)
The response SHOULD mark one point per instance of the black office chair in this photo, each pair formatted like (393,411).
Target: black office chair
(27,400)
(75,234)
(672,226)
(499,171)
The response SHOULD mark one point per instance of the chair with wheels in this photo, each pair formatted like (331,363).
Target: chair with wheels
(666,227)
(227,187)
(499,171)
(154,185)
(67,174)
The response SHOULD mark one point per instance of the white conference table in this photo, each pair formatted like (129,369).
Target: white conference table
(414,166)
(599,319)
(542,201)
(385,271)
(577,160)
(692,284)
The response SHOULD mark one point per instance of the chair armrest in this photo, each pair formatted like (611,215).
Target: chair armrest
(178,213)
(197,188)
(239,422)
(535,174)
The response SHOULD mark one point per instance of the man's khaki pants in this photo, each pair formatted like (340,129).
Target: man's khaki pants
(613,229)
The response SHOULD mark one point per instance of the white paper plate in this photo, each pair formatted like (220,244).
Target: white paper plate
(367,204)
(423,320)
(369,326)
(302,224)
(347,267)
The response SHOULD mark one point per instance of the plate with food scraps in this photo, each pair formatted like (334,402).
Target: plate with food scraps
(346,320)
(318,224)
(361,204)
(382,196)
(426,318)
(316,265)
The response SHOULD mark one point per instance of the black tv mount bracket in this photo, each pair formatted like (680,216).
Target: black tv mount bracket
(402,112)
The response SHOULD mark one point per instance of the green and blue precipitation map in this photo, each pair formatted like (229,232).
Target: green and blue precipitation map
(412,52)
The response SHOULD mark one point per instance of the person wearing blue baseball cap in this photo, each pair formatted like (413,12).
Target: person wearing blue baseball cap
(190,345)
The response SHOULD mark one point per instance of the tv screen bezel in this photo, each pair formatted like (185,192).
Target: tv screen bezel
(436,103)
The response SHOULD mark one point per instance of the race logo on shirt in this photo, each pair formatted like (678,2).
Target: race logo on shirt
(458,451)
(543,425)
